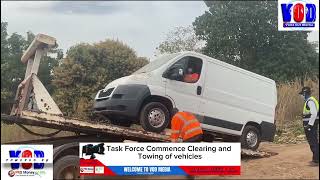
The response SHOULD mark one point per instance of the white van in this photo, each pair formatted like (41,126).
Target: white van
(227,100)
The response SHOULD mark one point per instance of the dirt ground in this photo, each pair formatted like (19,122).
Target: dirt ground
(291,162)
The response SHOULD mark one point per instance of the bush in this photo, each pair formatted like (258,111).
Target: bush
(289,109)
(88,68)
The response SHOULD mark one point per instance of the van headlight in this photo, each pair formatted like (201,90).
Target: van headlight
(104,93)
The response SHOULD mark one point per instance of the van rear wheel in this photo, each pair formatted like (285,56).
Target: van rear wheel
(154,117)
(250,138)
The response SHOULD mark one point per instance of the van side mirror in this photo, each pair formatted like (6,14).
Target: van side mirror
(174,73)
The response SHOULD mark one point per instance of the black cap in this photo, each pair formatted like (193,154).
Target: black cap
(306,90)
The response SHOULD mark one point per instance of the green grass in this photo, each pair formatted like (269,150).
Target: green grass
(13,133)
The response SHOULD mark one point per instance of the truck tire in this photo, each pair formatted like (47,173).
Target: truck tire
(67,167)
(250,138)
(154,117)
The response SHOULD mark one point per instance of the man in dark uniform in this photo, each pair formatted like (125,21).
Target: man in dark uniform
(310,122)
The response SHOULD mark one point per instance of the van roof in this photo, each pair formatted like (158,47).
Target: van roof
(216,61)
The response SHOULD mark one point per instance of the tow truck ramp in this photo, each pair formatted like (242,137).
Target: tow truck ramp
(84,127)
(115,133)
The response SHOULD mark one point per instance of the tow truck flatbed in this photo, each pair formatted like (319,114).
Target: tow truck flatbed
(93,132)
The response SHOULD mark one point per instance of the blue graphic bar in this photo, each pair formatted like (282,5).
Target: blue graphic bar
(298,24)
(147,170)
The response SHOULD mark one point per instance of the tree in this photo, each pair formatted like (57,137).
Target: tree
(180,39)
(4,41)
(5,93)
(245,34)
(88,68)
(12,70)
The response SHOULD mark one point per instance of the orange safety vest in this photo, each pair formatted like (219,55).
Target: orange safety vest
(184,125)
(191,78)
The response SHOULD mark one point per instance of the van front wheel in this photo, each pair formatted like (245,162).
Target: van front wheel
(250,138)
(154,117)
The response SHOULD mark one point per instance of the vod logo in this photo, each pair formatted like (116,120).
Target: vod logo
(27,158)
(26,161)
(298,15)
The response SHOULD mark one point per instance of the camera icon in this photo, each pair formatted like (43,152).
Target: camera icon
(91,149)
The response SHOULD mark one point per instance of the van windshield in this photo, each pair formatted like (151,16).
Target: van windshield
(156,63)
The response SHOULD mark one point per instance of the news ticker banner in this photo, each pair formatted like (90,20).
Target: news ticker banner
(123,159)
(27,162)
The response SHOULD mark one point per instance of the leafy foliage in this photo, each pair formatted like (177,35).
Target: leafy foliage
(245,34)
(11,67)
(180,39)
(4,41)
(88,68)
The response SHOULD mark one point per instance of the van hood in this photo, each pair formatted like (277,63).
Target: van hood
(132,79)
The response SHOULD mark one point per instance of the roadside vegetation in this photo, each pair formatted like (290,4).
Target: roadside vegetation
(289,110)
(19,134)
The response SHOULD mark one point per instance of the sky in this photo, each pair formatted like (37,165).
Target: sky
(142,25)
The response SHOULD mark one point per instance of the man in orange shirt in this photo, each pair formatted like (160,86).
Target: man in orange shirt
(191,77)
(185,125)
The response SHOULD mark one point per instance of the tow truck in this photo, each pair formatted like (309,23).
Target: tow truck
(35,107)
